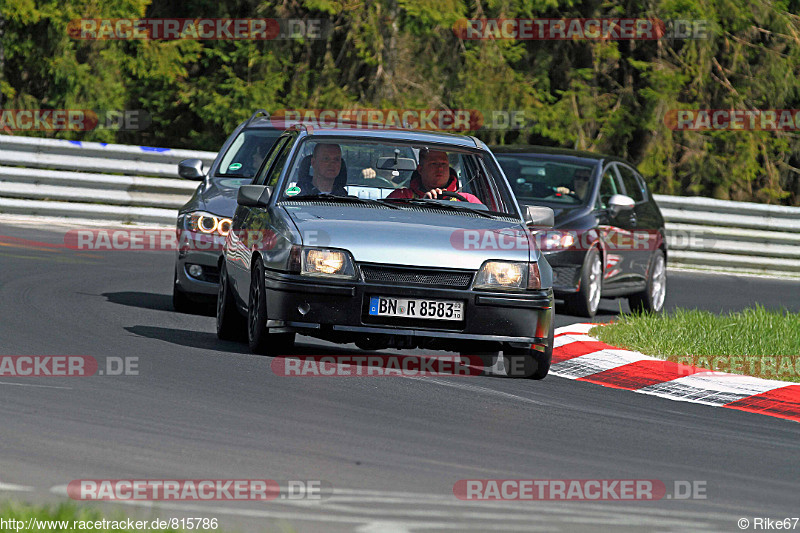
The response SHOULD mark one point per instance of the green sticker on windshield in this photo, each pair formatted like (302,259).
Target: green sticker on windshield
(292,191)
(235,166)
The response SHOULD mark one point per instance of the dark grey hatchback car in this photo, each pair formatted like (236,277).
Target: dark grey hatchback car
(380,264)
(609,236)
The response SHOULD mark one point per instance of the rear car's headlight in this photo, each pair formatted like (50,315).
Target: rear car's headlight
(323,262)
(208,223)
(506,275)
(557,240)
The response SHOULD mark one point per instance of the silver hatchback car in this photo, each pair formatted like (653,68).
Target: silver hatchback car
(428,250)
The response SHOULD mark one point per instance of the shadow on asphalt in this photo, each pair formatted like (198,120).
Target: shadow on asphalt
(190,338)
(209,341)
(157,302)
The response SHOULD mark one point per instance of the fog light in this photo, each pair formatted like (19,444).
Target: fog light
(195,271)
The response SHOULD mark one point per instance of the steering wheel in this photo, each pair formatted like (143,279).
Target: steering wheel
(570,193)
(448,194)
(379,182)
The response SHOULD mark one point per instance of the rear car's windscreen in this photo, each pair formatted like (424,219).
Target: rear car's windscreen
(545,179)
(246,153)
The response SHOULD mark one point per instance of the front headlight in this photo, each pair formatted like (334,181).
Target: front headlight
(323,262)
(508,276)
(208,223)
(502,275)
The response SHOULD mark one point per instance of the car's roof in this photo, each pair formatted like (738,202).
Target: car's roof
(417,136)
(261,123)
(522,149)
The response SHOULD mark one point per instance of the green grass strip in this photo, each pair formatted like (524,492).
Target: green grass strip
(756,342)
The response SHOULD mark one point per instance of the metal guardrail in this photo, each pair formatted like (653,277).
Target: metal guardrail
(98,181)
(121,183)
(704,232)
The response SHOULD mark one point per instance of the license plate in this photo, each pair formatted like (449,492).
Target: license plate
(416,308)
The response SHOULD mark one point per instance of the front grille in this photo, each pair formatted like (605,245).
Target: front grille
(415,276)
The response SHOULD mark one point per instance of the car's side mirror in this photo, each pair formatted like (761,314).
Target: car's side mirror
(539,216)
(254,195)
(620,203)
(191,169)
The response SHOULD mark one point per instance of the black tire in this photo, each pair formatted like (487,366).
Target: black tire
(651,300)
(528,362)
(586,301)
(180,302)
(231,325)
(259,339)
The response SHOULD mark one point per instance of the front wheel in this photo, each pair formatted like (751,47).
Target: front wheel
(529,362)
(230,323)
(651,300)
(586,301)
(259,339)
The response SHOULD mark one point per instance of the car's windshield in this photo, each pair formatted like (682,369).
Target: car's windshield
(535,178)
(246,153)
(398,172)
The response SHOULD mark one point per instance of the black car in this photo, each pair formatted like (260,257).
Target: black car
(608,239)
(204,221)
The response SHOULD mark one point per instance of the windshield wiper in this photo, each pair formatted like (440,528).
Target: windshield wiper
(430,202)
(334,197)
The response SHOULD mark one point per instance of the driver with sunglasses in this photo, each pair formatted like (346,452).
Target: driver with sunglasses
(580,184)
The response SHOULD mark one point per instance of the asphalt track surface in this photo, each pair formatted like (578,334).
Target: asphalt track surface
(392,448)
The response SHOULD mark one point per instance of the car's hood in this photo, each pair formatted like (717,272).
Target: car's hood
(220,195)
(410,237)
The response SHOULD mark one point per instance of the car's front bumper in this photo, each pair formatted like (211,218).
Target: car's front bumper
(566,265)
(340,309)
(207,285)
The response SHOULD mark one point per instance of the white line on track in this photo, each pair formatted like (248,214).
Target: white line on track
(32,385)
(16,488)
(476,388)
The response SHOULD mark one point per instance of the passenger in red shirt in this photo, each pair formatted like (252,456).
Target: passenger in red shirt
(432,177)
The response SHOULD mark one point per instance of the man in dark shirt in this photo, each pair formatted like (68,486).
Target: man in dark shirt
(326,163)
